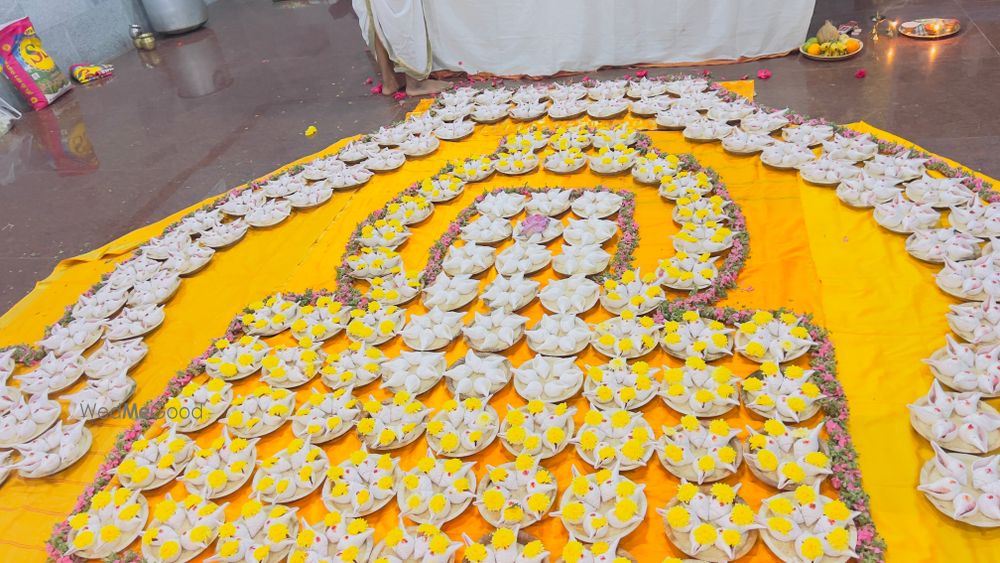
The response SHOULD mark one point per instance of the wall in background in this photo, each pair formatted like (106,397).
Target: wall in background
(75,31)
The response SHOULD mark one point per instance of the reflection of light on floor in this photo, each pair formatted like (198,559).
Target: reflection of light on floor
(933,54)
(890,54)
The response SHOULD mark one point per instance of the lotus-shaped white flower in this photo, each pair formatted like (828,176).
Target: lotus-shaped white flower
(415,372)
(976,218)
(710,236)
(700,451)
(517,162)
(501,204)
(652,168)
(786,458)
(559,335)
(786,155)
(392,423)
(538,429)
(361,484)
(113,357)
(573,295)
(269,317)
(487,230)
(967,368)
(325,416)
(900,167)
(448,293)
(586,259)
(436,490)
(582,232)
(615,438)
(522,258)
(548,379)
(478,375)
(741,142)
(904,216)
(495,331)
(358,365)
(115,518)
(786,394)
(462,427)
(510,293)
(851,149)
(602,506)
(766,337)
(469,259)
(549,202)
(868,191)
(632,291)
(956,421)
(432,331)
(937,245)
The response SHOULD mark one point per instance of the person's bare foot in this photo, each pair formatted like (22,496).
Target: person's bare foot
(390,81)
(425,87)
(390,84)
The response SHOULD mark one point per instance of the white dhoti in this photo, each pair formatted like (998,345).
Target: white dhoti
(402,29)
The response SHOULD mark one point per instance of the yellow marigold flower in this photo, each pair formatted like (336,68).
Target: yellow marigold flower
(755,350)
(774,427)
(705,534)
(753,384)
(836,510)
(839,539)
(674,453)
(686,492)
(805,494)
(793,472)
(573,511)
(538,502)
(767,460)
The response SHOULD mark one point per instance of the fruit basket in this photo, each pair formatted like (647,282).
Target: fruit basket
(830,45)
(834,51)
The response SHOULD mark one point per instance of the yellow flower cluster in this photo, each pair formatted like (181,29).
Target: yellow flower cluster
(719,232)
(371,357)
(688,208)
(394,430)
(524,437)
(377,258)
(374,321)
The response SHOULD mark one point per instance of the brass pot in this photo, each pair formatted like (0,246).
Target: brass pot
(145,41)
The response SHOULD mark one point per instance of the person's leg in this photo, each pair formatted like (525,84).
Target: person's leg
(416,87)
(390,83)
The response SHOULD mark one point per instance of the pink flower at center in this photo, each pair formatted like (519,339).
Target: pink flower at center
(534,224)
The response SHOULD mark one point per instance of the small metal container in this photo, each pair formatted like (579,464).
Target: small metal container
(145,41)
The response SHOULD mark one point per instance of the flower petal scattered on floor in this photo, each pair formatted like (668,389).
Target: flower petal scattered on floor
(861,73)
(763,74)
(310,131)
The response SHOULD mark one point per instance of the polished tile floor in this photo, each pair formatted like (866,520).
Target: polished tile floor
(214,108)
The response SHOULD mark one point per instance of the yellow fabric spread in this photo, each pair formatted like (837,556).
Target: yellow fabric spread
(808,252)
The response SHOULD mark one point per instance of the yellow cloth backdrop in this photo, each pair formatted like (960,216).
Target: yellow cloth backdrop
(808,252)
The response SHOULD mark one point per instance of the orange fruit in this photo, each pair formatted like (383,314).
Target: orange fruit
(813,49)
(853,45)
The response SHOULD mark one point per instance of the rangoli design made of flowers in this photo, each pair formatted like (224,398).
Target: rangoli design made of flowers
(322,361)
